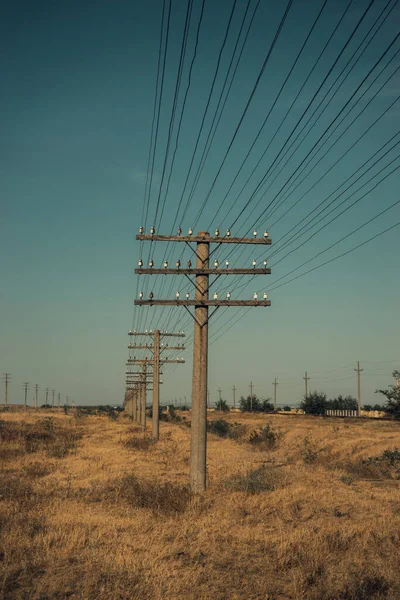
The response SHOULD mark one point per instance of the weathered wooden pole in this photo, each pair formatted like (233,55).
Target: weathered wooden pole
(198,445)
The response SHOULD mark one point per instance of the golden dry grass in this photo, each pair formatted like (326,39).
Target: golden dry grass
(106,518)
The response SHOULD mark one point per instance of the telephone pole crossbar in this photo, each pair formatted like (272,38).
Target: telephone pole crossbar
(201,304)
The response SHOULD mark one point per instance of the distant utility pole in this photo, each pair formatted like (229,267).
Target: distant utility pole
(47,395)
(275,383)
(36,394)
(66,400)
(6,379)
(26,388)
(201,304)
(251,395)
(306,379)
(157,348)
(358,371)
(52,398)
(234,396)
(58,401)
(220,398)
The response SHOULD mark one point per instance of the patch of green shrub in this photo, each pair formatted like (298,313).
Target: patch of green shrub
(266,437)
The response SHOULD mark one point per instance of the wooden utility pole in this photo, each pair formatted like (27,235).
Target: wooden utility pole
(251,396)
(201,304)
(155,428)
(234,396)
(26,388)
(156,348)
(220,397)
(6,379)
(58,401)
(275,384)
(358,371)
(306,379)
(52,398)
(47,395)
(36,394)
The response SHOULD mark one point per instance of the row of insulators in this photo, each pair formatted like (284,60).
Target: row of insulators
(215,297)
(190,232)
(189,263)
(151,331)
(165,346)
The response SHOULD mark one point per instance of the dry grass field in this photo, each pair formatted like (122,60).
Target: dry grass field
(89,509)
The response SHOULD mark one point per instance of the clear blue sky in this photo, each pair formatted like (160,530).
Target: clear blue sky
(78,85)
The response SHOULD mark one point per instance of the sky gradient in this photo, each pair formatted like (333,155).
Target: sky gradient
(78,86)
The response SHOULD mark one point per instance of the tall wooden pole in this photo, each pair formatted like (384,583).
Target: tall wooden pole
(251,396)
(234,396)
(52,398)
(306,379)
(6,380)
(275,383)
(135,405)
(143,398)
(26,387)
(358,371)
(198,442)
(156,387)
(59,402)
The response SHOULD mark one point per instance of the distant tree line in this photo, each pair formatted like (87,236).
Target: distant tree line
(317,403)
(249,404)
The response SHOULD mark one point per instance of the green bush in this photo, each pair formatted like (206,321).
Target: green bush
(219,427)
(222,405)
(267,437)
(315,403)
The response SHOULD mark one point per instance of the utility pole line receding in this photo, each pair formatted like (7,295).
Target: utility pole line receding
(358,371)
(251,396)
(306,379)
(141,379)
(234,396)
(58,401)
(36,394)
(275,384)
(52,398)
(201,304)
(6,379)
(47,395)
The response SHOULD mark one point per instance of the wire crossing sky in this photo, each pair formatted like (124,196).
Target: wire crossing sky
(238,114)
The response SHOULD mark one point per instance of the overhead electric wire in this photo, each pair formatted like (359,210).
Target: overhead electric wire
(328,103)
(270,111)
(291,106)
(167,27)
(328,127)
(174,105)
(166,254)
(264,65)
(206,110)
(325,131)
(387,230)
(216,121)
